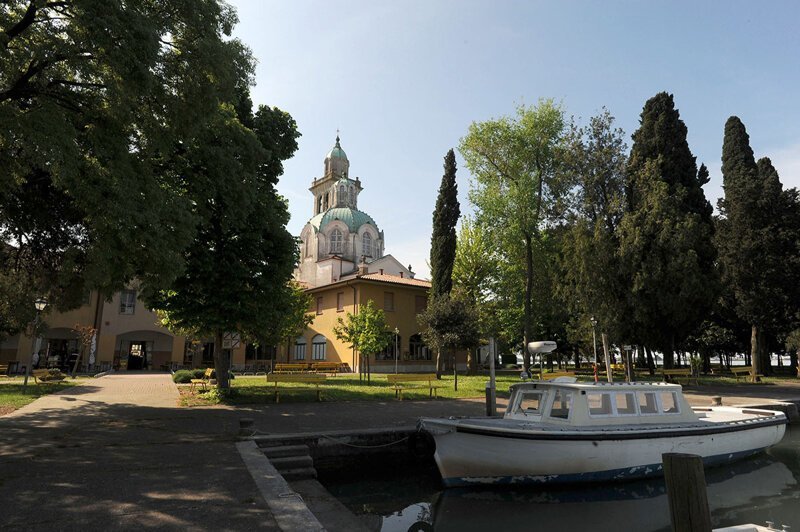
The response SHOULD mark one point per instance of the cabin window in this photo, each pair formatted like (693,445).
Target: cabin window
(562,402)
(647,403)
(625,403)
(669,403)
(599,404)
(530,403)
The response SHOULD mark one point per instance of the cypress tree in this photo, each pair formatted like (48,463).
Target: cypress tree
(443,237)
(666,235)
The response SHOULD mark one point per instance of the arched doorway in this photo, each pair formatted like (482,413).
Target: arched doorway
(142,350)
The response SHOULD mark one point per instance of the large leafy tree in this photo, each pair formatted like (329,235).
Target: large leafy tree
(96,98)
(666,234)
(449,322)
(237,272)
(514,161)
(755,242)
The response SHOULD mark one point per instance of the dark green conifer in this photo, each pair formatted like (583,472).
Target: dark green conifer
(443,237)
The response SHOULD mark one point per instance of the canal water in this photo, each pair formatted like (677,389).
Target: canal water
(407,498)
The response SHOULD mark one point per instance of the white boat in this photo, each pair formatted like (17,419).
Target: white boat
(565,432)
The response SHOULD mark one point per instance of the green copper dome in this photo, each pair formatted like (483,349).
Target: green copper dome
(337,152)
(353,218)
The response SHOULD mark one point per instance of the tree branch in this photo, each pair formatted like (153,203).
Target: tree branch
(26,20)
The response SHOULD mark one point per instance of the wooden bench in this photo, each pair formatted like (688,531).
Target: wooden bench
(4,370)
(670,374)
(314,379)
(402,381)
(290,368)
(42,376)
(203,382)
(326,367)
(557,374)
(747,372)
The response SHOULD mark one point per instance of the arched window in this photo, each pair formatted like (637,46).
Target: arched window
(342,195)
(417,348)
(366,245)
(318,345)
(391,350)
(300,348)
(306,247)
(336,241)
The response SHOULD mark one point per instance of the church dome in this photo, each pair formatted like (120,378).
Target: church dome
(336,152)
(352,218)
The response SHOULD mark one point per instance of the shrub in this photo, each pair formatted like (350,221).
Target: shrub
(184,376)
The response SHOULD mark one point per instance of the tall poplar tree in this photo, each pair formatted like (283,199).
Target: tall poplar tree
(515,163)
(443,237)
(666,234)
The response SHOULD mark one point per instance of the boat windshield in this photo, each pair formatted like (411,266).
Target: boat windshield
(530,403)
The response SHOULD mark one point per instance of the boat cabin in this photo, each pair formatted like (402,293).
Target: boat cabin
(601,403)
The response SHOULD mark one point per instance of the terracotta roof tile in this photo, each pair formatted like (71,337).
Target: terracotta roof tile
(396,279)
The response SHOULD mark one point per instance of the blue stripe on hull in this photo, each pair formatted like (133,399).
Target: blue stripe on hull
(628,473)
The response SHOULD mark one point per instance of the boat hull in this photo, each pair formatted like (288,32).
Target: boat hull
(477,455)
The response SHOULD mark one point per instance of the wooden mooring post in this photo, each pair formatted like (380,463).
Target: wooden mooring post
(686,491)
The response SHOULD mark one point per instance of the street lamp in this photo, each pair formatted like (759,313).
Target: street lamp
(594,344)
(40,305)
(396,350)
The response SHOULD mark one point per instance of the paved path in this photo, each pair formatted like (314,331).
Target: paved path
(118,454)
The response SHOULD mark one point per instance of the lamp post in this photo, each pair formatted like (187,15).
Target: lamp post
(40,305)
(594,344)
(396,336)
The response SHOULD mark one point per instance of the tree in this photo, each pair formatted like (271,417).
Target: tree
(443,236)
(666,233)
(592,284)
(449,322)
(365,332)
(514,161)
(96,101)
(237,272)
(753,241)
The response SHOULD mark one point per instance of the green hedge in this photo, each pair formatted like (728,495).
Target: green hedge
(184,376)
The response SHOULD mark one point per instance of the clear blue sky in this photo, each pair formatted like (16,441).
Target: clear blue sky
(403,80)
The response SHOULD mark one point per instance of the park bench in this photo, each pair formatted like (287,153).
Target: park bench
(747,372)
(674,374)
(4,370)
(326,367)
(290,368)
(556,374)
(43,376)
(203,382)
(403,381)
(311,379)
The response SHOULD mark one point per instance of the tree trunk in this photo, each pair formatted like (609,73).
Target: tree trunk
(606,354)
(221,363)
(763,351)
(651,364)
(526,357)
(793,361)
(577,356)
(669,354)
(439,364)
(754,354)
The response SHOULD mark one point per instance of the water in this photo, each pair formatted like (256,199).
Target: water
(763,488)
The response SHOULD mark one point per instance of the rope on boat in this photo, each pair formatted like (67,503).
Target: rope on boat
(364,446)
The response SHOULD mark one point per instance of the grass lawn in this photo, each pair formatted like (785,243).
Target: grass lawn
(14,396)
(254,390)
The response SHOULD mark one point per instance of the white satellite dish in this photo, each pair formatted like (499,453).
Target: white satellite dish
(545,346)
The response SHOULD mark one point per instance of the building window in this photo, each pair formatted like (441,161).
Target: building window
(340,302)
(388,301)
(259,352)
(318,345)
(366,245)
(343,195)
(392,349)
(420,303)
(127,301)
(336,241)
(417,350)
(319,305)
(300,348)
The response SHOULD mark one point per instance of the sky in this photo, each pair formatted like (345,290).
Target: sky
(402,81)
